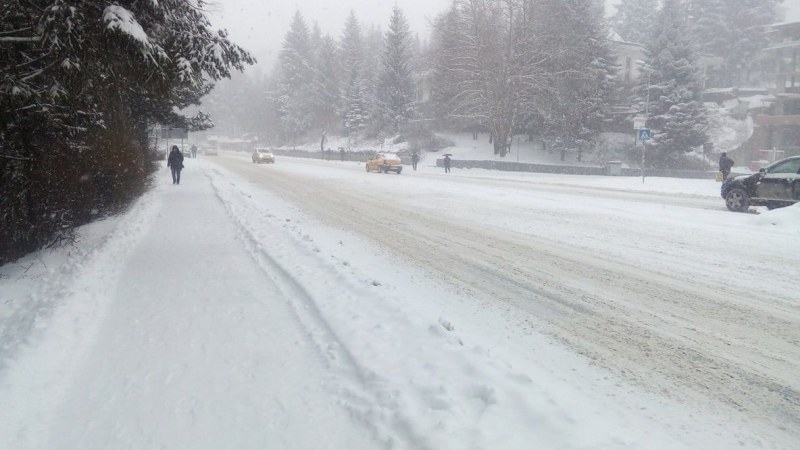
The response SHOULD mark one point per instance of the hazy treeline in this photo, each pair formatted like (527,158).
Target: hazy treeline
(507,67)
(367,83)
(81,83)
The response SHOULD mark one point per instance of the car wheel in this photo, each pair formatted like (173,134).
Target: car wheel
(737,200)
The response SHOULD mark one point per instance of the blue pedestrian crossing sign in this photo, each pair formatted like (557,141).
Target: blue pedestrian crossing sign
(645,134)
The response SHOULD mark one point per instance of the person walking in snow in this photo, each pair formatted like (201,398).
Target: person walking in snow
(725,165)
(446,163)
(414,160)
(194,151)
(341,153)
(175,163)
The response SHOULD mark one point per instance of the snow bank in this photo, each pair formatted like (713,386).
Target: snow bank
(786,219)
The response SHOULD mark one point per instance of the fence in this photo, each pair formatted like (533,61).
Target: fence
(510,166)
(506,166)
(333,155)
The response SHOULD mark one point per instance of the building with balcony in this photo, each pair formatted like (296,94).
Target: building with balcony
(777,128)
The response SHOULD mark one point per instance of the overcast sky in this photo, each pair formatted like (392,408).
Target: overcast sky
(259,25)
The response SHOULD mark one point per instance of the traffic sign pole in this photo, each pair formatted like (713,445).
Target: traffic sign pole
(644,147)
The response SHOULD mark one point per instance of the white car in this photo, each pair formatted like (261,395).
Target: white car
(263,155)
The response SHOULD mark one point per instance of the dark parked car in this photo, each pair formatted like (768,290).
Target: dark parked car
(774,186)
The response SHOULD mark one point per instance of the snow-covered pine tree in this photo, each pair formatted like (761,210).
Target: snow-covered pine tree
(734,31)
(634,19)
(444,56)
(672,82)
(357,115)
(396,89)
(583,72)
(373,51)
(354,113)
(295,94)
(80,78)
(326,90)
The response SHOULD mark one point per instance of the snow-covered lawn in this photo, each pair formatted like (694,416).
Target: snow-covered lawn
(312,305)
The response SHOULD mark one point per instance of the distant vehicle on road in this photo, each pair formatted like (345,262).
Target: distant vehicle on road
(210,151)
(774,186)
(263,155)
(384,162)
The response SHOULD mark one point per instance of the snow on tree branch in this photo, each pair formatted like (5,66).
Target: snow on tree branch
(118,19)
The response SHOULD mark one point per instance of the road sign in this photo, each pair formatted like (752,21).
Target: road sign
(645,134)
(174,133)
(639,122)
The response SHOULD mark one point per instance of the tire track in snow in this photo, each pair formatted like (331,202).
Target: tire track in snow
(690,336)
(353,378)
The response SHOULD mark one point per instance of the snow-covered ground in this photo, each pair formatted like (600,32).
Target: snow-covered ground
(309,304)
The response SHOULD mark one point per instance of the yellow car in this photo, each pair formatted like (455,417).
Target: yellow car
(384,162)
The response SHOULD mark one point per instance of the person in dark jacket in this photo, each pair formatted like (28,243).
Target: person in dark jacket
(175,163)
(446,163)
(414,160)
(725,165)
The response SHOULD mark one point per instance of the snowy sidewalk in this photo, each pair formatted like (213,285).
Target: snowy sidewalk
(195,350)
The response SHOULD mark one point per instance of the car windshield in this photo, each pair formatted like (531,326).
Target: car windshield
(493,225)
(790,166)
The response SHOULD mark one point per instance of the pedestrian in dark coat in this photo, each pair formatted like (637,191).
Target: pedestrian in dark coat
(414,160)
(341,154)
(175,163)
(446,163)
(725,165)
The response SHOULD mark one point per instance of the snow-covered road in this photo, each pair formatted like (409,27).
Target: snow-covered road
(309,304)
(668,290)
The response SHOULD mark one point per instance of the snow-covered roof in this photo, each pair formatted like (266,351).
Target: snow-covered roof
(614,36)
